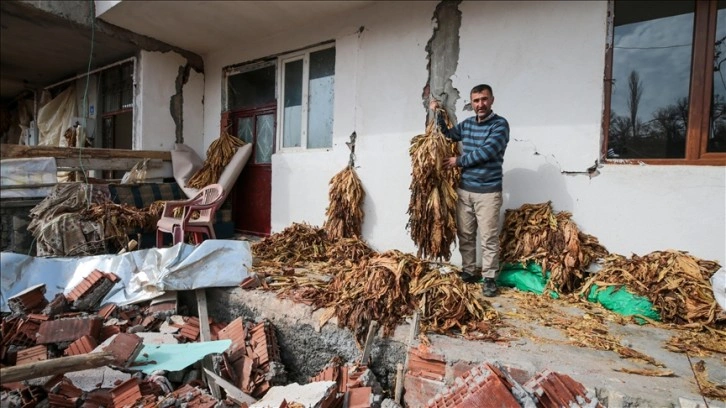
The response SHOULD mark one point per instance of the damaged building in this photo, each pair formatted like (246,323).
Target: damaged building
(617,117)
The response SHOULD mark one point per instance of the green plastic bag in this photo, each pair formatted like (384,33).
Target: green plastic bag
(527,278)
(620,301)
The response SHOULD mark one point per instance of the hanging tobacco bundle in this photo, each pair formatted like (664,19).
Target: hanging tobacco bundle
(219,154)
(432,208)
(344,215)
(534,233)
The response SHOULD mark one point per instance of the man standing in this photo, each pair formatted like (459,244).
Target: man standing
(484,139)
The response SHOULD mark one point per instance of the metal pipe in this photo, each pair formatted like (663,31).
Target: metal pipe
(92,72)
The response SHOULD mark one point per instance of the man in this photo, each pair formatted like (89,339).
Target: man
(484,139)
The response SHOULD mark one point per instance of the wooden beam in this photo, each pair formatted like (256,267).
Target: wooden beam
(88,163)
(204,334)
(369,342)
(13,151)
(233,393)
(55,366)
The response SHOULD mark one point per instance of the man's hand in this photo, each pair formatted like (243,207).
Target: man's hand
(433,104)
(450,162)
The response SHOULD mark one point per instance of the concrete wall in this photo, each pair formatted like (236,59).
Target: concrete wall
(545,61)
(155,126)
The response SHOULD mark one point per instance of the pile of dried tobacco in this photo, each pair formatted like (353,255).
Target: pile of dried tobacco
(534,233)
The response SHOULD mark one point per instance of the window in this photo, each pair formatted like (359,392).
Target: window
(665,86)
(117,105)
(306,101)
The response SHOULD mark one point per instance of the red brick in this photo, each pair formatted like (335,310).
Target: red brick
(107,310)
(31,355)
(30,300)
(125,347)
(420,390)
(84,345)
(359,397)
(57,331)
(126,393)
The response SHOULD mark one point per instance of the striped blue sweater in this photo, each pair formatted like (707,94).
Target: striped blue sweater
(483,146)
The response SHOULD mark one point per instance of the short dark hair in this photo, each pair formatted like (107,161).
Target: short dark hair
(481,88)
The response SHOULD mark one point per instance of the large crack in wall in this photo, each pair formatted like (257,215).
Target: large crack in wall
(176,105)
(443,57)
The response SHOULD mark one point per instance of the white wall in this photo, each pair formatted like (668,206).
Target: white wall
(545,61)
(155,128)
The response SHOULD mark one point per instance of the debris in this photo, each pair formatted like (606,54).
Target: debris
(314,395)
(125,347)
(432,207)
(646,372)
(54,366)
(30,300)
(175,357)
(68,330)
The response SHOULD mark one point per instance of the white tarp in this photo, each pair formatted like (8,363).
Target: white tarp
(144,274)
(18,172)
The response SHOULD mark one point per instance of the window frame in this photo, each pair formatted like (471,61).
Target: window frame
(699,94)
(303,55)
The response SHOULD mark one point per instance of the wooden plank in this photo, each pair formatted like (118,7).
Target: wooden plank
(13,151)
(55,366)
(104,163)
(204,334)
(233,393)
(369,342)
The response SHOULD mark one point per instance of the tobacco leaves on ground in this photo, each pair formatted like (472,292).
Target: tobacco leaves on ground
(365,285)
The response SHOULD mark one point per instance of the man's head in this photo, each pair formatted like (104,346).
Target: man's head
(482,99)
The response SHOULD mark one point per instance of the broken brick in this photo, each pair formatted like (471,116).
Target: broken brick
(57,331)
(125,347)
(31,355)
(555,390)
(428,365)
(190,330)
(107,310)
(30,300)
(359,397)
(126,393)
(84,345)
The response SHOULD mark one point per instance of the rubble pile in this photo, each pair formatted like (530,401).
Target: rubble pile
(112,345)
(489,385)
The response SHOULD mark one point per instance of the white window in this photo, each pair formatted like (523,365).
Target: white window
(305,106)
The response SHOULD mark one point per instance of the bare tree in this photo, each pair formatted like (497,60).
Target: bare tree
(636,91)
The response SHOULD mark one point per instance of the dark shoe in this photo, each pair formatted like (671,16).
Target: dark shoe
(489,288)
(469,277)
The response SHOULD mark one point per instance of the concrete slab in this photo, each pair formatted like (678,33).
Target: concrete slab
(306,348)
(311,395)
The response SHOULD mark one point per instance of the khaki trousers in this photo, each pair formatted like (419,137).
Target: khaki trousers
(479,211)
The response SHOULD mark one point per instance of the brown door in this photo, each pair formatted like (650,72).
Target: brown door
(251,196)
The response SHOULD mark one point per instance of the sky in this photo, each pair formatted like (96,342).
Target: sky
(660,51)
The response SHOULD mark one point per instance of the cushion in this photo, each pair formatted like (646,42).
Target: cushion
(185,162)
(229,174)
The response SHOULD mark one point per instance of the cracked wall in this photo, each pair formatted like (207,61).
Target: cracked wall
(443,57)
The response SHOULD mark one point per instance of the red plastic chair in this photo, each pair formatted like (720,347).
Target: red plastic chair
(206,202)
